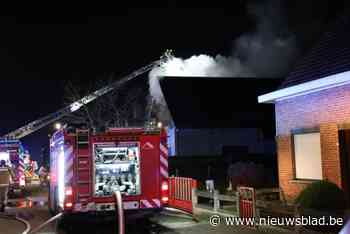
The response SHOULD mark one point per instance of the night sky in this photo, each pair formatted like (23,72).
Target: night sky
(38,55)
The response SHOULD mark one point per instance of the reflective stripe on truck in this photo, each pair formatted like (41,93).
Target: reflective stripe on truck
(110,206)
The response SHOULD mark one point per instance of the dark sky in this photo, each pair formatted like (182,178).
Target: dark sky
(39,54)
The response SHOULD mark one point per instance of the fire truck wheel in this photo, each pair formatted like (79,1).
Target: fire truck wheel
(53,207)
(67,223)
(49,199)
(55,200)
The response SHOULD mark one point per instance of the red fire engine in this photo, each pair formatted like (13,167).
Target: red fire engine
(12,152)
(87,168)
(14,136)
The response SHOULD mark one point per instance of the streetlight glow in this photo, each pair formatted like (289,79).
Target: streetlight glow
(58,126)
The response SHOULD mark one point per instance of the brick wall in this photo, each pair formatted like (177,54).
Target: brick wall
(327,106)
(330,153)
(285,168)
(323,110)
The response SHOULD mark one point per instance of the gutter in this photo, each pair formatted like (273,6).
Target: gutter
(306,88)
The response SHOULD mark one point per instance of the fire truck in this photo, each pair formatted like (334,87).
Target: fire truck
(86,168)
(12,152)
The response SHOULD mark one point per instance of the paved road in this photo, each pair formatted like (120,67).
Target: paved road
(162,224)
(36,212)
(11,226)
(168,223)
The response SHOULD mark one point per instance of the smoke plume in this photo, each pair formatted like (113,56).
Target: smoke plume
(268,51)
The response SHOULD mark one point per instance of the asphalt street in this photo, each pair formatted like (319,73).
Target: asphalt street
(34,210)
(161,224)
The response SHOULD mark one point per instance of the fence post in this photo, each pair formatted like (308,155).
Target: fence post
(216,200)
(254,202)
(238,203)
(170,187)
(194,198)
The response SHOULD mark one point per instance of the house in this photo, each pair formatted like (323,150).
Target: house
(312,110)
(212,116)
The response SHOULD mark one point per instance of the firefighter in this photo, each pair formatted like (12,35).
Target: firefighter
(6,177)
(43,175)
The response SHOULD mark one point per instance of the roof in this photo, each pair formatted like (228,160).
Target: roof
(326,65)
(204,102)
(331,55)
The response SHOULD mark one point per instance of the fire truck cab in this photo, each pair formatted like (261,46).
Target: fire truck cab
(86,169)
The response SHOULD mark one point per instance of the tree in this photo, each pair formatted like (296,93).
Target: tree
(123,107)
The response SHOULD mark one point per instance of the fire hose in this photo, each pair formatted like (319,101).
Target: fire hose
(120,212)
(41,226)
(15,217)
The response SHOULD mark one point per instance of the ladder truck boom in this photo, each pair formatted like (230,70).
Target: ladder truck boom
(46,120)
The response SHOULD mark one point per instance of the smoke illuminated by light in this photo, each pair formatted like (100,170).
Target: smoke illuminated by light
(196,66)
(269,51)
(203,65)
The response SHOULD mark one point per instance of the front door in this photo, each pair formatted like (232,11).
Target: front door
(344,150)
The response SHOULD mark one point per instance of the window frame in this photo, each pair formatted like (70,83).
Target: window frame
(300,132)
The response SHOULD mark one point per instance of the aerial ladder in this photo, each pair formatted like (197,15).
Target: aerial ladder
(48,119)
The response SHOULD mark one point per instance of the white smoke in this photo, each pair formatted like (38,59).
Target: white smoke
(196,66)
(269,51)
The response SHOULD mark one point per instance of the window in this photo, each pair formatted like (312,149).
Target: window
(307,152)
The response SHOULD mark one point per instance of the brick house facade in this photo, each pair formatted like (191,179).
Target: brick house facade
(315,98)
(310,112)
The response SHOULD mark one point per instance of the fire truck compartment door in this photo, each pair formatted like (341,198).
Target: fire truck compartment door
(150,166)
